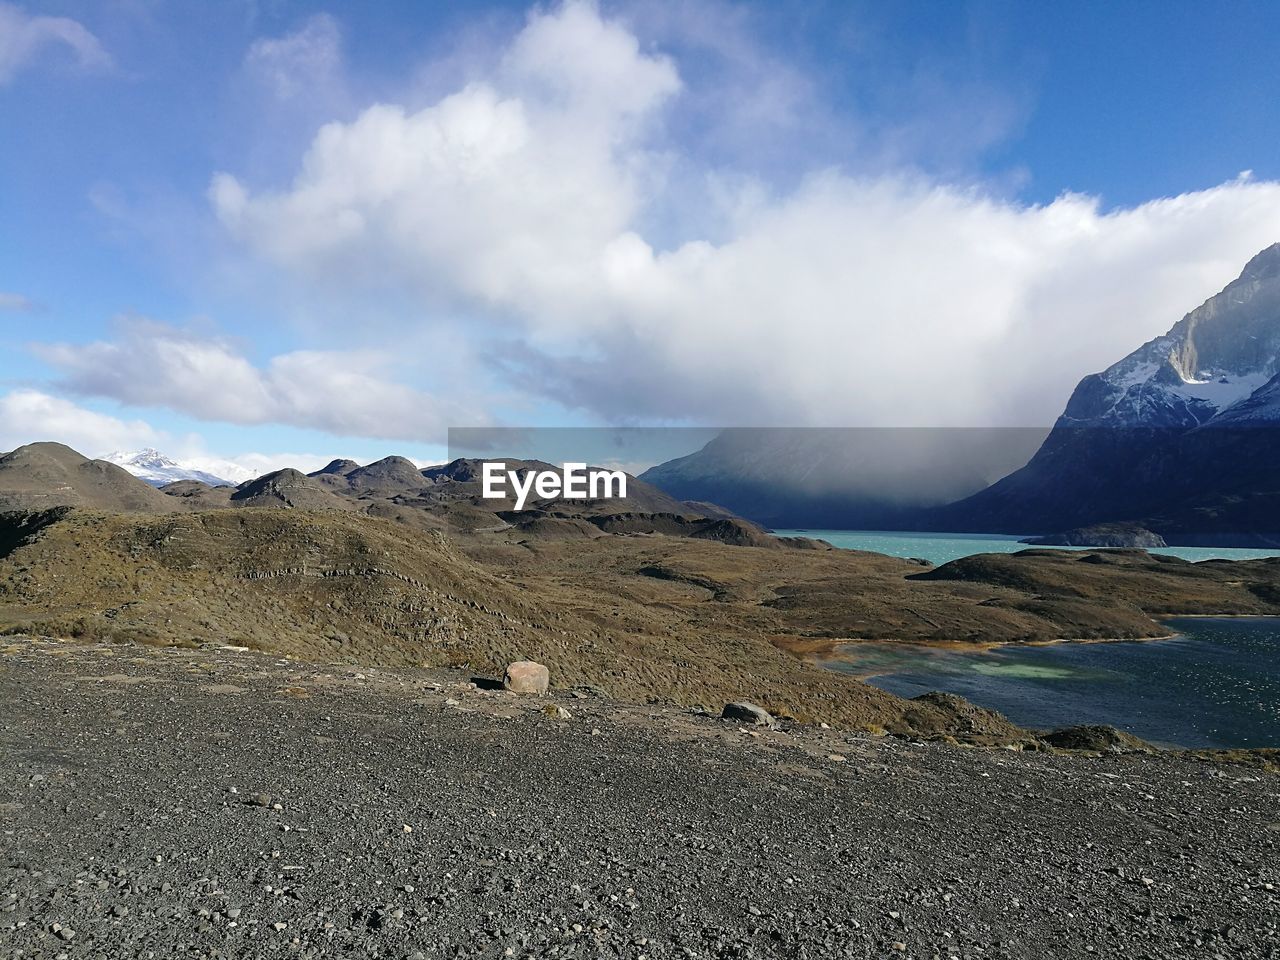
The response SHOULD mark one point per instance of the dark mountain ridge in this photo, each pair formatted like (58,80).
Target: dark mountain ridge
(1179,436)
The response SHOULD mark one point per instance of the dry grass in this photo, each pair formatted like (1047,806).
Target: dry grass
(641,617)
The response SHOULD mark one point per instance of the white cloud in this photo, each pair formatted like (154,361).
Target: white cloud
(890,299)
(345,393)
(588,68)
(247,466)
(486,193)
(299,63)
(30,416)
(23,37)
(33,416)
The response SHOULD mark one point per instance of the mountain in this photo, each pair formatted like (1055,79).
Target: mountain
(44,475)
(155,468)
(858,477)
(287,488)
(336,468)
(41,477)
(1179,435)
(1210,366)
(382,478)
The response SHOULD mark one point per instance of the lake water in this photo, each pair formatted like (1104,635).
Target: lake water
(1217,684)
(941,547)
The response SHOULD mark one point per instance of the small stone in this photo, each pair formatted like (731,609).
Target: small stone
(407,829)
(258,800)
(526,676)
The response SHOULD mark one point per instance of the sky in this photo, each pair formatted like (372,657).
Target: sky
(281,232)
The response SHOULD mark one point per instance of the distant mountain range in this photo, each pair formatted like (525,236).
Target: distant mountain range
(155,468)
(46,478)
(1177,437)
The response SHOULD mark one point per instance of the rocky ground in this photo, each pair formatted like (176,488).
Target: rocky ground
(218,803)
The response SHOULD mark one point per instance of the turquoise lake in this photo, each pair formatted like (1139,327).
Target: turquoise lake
(940,547)
(1217,684)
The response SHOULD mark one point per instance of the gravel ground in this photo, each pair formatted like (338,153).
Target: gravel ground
(215,803)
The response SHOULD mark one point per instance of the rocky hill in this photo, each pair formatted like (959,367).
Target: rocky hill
(383,478)
(676,618)
(445,498)
(287,488)
(43,475)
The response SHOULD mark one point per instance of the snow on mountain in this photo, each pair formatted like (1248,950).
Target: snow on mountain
(1210,363)
(155,468)
(1186,445)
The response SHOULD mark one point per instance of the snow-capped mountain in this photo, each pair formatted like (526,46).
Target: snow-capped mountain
(1180,435)
(156,469)
(1212,363)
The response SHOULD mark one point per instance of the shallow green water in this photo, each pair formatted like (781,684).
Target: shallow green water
(941,547)
(1217,684)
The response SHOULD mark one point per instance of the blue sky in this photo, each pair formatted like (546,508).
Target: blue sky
(288,231)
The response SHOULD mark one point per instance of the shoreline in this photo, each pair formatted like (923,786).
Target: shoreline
(963,646)
(1262,551)
(1130,689)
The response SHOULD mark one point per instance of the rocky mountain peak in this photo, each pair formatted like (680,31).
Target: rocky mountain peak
(157,469)
(340,467)
(1265,266)
(1214,358)
(1186,449)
